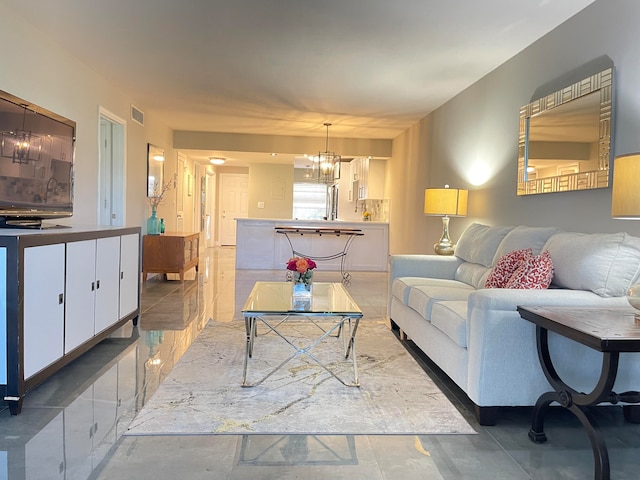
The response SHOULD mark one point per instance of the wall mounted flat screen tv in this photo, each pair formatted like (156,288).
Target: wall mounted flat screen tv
(37,150)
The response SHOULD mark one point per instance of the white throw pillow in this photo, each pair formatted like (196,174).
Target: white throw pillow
(606,264)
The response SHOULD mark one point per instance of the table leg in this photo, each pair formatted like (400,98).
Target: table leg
(250,326)
(576,402)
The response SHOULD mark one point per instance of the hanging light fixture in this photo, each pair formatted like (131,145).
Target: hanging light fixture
(326,165)
(22,142)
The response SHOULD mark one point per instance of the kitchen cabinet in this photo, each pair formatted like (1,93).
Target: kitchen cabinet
(63,289)
(367,178)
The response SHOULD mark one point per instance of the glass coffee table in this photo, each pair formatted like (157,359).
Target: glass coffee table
(273,304)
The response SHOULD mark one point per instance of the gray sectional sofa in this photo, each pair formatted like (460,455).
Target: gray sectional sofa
(475,334)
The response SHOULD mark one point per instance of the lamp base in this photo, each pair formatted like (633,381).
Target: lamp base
(633,297)
(445,246)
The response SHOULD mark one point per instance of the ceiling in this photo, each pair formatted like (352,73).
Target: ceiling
(372,68)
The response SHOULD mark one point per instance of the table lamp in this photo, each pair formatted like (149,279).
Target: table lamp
(625,204)
(445,202)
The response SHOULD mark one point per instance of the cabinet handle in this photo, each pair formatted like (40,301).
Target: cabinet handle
(61,299)
(121,275)
(93,286)
(98,284)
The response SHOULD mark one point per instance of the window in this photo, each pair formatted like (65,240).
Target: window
(309,201)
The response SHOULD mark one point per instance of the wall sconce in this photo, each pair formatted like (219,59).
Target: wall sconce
(445,202)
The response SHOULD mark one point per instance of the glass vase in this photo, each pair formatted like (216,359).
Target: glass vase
(153,223)
(303,284)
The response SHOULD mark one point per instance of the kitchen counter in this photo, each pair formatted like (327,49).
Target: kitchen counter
(258,246)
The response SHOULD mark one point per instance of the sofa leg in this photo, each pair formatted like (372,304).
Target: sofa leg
(486,416)
(403,336)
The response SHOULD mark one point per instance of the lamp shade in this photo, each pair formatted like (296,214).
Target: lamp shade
(445,201)
(625,195)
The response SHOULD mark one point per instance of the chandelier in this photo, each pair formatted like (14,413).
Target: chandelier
(326,166)
(16,144)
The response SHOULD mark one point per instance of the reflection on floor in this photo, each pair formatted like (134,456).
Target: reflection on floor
(71,425)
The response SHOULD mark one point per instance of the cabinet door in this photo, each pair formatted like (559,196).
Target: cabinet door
(80,288)
(129,273)
(43,306)
(107,282)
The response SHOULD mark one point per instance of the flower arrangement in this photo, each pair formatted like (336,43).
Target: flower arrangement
(366,216)
(302,268)
(157,193)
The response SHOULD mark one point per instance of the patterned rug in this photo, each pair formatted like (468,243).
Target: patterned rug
(203,392)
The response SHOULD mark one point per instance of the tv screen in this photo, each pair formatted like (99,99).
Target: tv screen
(36,163)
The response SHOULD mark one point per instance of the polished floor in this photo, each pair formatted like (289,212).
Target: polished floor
(71,426)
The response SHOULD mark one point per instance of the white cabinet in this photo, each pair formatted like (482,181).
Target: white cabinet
(43,306)
(367,178)
(92,286)
(108,283)
(129,273)
(65,291)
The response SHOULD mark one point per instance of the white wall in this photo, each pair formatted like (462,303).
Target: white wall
(471,141)
(36,69)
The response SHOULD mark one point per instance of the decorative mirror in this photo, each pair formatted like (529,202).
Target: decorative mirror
(565,138)
(155,170)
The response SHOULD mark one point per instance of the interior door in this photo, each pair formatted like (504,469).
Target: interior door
(234,191)
(111,196)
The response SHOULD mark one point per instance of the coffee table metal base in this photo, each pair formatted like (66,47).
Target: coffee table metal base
(345,327)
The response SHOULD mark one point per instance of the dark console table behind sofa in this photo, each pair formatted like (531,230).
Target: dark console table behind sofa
(63,291)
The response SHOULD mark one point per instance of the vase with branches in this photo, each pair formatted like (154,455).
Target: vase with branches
(156,197)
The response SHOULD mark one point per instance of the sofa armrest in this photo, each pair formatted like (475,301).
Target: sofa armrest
(503,359)
(431,266)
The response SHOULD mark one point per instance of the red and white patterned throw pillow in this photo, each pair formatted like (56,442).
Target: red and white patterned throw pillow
(505,268)
(535,273)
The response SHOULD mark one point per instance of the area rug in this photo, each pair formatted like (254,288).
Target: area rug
(203,392)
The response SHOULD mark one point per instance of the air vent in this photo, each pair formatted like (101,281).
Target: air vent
(137,115)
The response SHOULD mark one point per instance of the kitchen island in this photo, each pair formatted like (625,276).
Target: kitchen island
(259,246)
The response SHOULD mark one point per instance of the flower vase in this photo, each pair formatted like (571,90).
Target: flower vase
(153,223)
(303,284)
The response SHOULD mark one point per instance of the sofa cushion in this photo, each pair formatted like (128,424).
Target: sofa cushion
(450,317)
(606,264)
(505,268)
(401,286)
(472,274)
(421,299)
(535,272)
(478,243)
(522,237)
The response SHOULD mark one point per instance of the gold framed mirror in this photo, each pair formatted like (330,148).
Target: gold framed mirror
(565,138)
(155,170)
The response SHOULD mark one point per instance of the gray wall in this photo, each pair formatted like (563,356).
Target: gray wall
(471,141)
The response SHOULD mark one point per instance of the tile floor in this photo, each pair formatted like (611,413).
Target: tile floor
(71,426)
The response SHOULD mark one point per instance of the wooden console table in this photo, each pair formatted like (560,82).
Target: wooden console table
(607,330)
(171,252)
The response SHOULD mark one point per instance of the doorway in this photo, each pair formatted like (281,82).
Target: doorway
(234,193)
(111,158)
